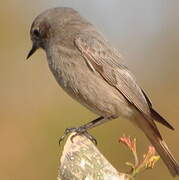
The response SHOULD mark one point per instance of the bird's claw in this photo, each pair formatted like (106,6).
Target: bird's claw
(78,131)
(67,131)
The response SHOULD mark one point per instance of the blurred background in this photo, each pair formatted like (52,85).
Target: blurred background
(34,111)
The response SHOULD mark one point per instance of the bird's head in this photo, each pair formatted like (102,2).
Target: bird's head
(51,26)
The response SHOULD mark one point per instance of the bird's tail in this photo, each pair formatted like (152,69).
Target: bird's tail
(149,128)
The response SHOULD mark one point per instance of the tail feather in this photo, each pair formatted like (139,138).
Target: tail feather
(157,117)
(165,155)
(149,130)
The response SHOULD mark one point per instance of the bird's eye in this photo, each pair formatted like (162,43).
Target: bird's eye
(36,33)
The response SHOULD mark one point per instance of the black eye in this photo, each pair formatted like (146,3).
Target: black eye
(36,33)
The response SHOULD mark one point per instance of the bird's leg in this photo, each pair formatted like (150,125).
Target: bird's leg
(83,129)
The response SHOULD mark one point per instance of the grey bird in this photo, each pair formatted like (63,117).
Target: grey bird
(92,72)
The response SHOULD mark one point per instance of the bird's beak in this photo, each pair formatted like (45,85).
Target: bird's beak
(32,51)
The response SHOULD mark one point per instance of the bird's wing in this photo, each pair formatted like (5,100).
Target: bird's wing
(100,57)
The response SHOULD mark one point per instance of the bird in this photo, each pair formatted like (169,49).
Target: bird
(93,72)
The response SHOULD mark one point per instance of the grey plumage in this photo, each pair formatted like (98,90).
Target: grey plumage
(92,72)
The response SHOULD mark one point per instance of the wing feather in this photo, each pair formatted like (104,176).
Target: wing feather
(107,62)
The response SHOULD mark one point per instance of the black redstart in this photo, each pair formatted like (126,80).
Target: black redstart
(91,71)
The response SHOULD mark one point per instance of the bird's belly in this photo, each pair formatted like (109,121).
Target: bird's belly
(92,91)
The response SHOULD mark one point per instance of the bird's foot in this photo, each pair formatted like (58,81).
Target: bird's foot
(78,131)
